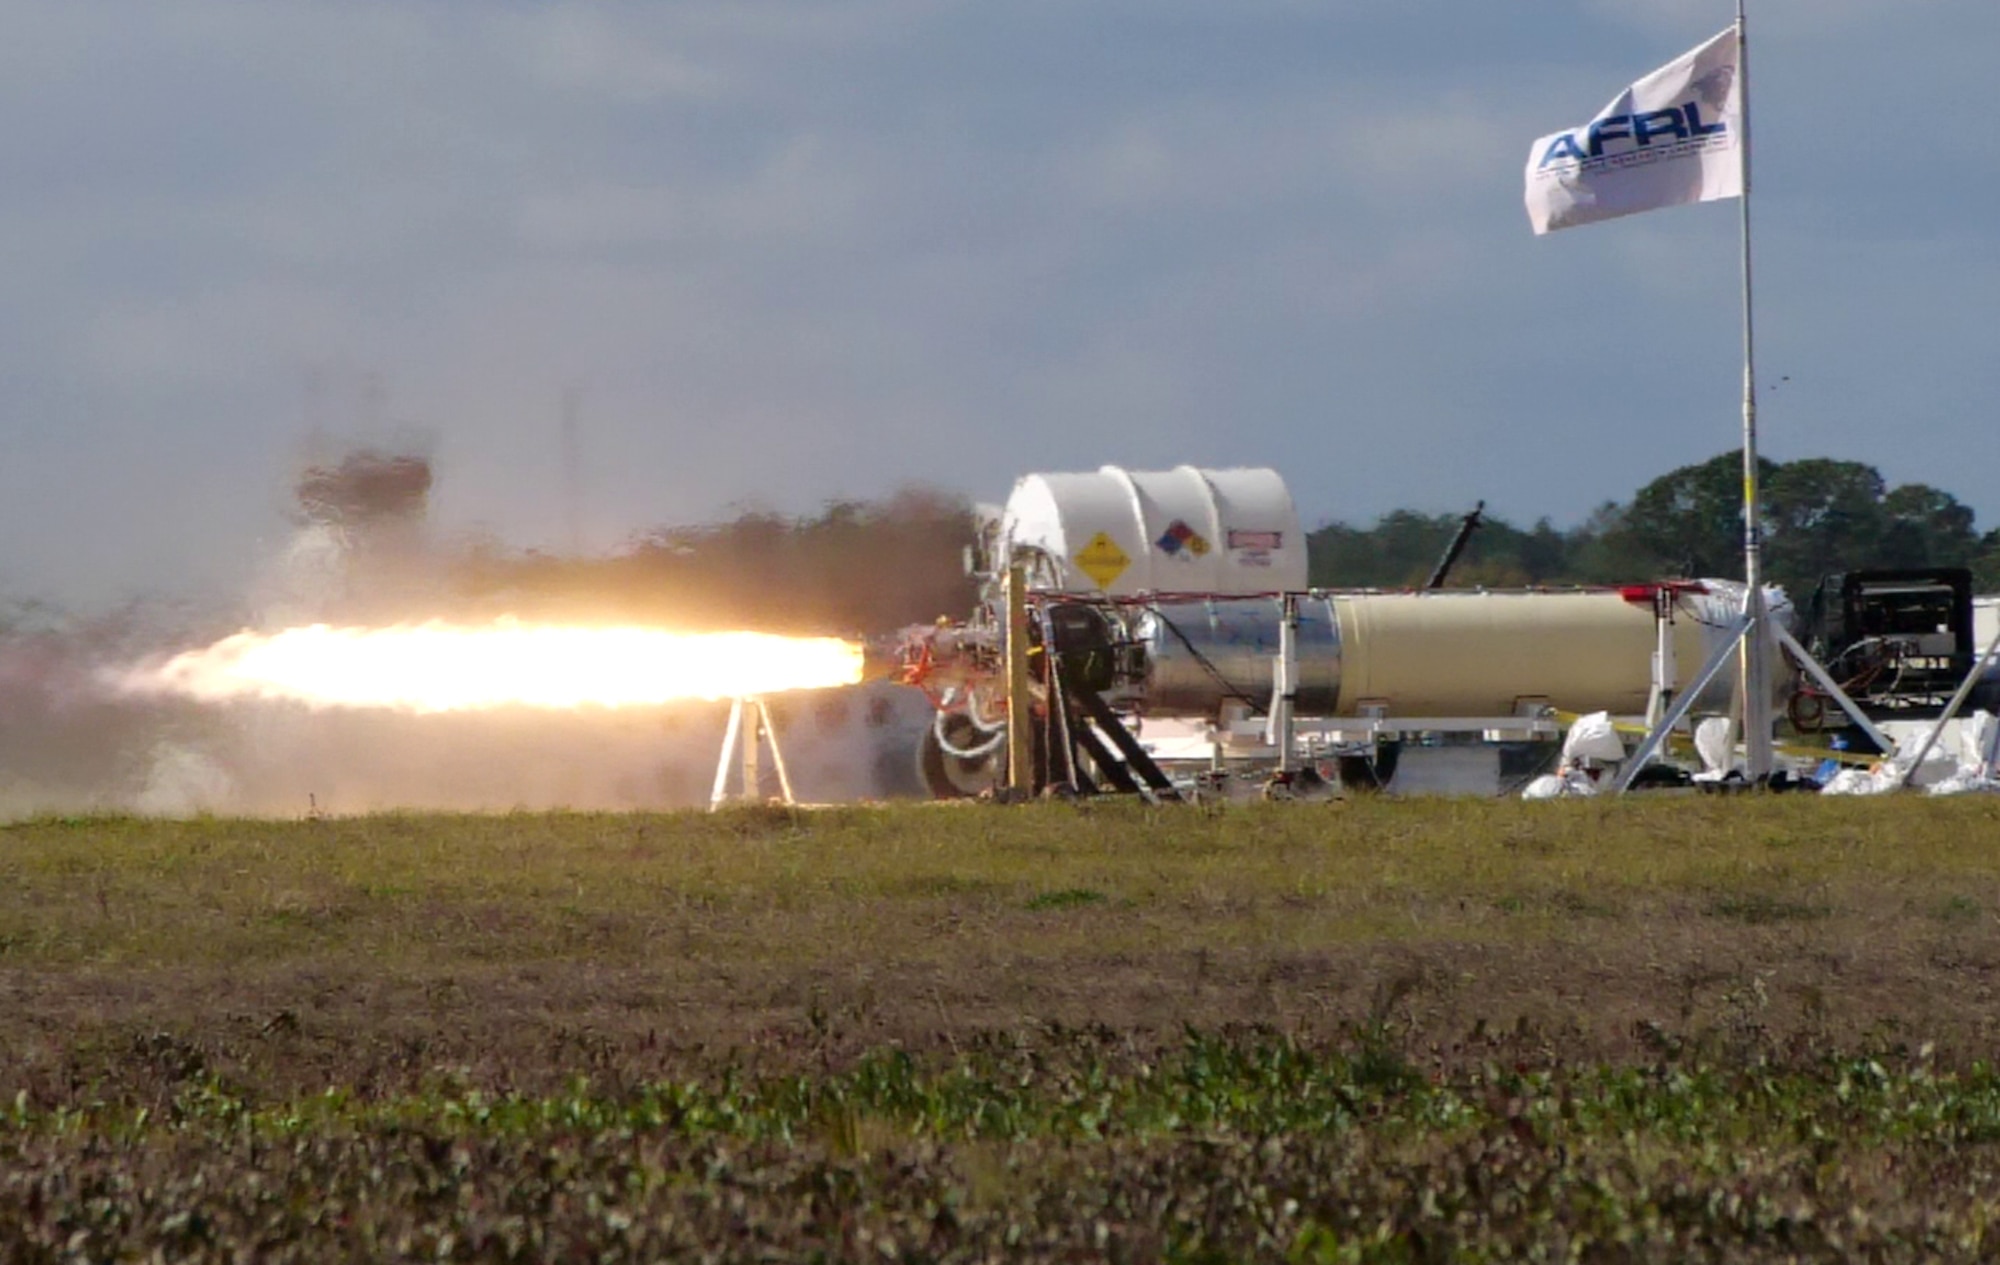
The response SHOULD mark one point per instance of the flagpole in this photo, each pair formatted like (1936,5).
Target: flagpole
(1756,638)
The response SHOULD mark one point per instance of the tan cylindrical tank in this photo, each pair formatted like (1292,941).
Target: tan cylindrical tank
(1441,654)
(1478,654)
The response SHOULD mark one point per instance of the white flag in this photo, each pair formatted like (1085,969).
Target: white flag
(1673,137)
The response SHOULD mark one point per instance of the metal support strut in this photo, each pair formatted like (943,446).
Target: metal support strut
(1285,688)
(749,724)
(1137,759)
(1020,711)
(1951,709)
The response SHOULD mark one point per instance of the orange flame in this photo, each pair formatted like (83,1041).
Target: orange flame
(439,667)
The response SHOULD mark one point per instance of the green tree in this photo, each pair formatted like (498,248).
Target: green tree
(1986,563)
(1822,516)
(1604,551)
(1398,552)
(1403,547)
(1689,521)
(1544,552)
(1927,528)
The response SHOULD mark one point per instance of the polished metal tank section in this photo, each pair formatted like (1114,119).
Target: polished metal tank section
(1457,654)
(1201,653)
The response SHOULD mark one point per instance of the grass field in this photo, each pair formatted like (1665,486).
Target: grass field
(1751,1028)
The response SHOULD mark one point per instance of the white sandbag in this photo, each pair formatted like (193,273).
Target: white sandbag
(1567,784)
(1592,740)
(1879,779)
(1593,737)
(1547,786)
(1715,743)
(1938,766)
(1978,735)
(1964,784)
(1889,775)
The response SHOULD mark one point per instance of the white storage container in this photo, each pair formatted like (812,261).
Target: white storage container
(1124,532)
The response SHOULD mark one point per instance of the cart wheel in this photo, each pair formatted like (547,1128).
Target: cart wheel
(1807,712)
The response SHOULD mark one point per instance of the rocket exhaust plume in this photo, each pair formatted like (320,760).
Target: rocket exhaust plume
(442,667)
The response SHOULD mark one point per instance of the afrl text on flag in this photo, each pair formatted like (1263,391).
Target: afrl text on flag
(1673,137)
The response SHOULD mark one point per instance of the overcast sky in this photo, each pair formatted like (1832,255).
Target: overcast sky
(785,252)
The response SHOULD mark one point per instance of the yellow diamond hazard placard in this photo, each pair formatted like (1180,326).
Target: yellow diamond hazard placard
(1102,560)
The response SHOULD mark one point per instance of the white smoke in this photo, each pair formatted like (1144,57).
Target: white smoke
(181,782)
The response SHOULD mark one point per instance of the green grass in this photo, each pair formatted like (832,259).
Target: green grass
(419,889)
(1657,1029)
(1227,1146)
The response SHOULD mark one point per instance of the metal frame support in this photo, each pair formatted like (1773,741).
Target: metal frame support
(1666,665)
(730,734)
(1138,761)
(1744,624)
(749,724)
(1109,767)
(1285,688)
(1826,682)
(1752,636)
(1020,737)
(1755,689)
(1957,701)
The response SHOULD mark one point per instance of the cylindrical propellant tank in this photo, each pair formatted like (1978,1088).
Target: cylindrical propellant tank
(1125,532)
(1427,654)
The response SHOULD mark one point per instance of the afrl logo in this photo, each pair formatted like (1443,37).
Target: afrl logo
(1638,131)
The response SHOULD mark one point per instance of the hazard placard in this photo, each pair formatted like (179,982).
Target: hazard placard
(1102,560)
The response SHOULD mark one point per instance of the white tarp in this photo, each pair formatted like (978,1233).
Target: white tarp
(1940,773)
(1978,750)
(1673,137)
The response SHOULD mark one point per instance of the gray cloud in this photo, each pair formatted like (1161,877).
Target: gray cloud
(790,252)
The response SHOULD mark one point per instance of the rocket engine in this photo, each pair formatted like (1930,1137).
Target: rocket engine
(1107,619)
(1406,660)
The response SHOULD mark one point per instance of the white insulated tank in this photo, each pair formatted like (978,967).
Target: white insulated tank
(1125,532)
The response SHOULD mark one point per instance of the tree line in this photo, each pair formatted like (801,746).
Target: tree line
(1820,516)
(861,566)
